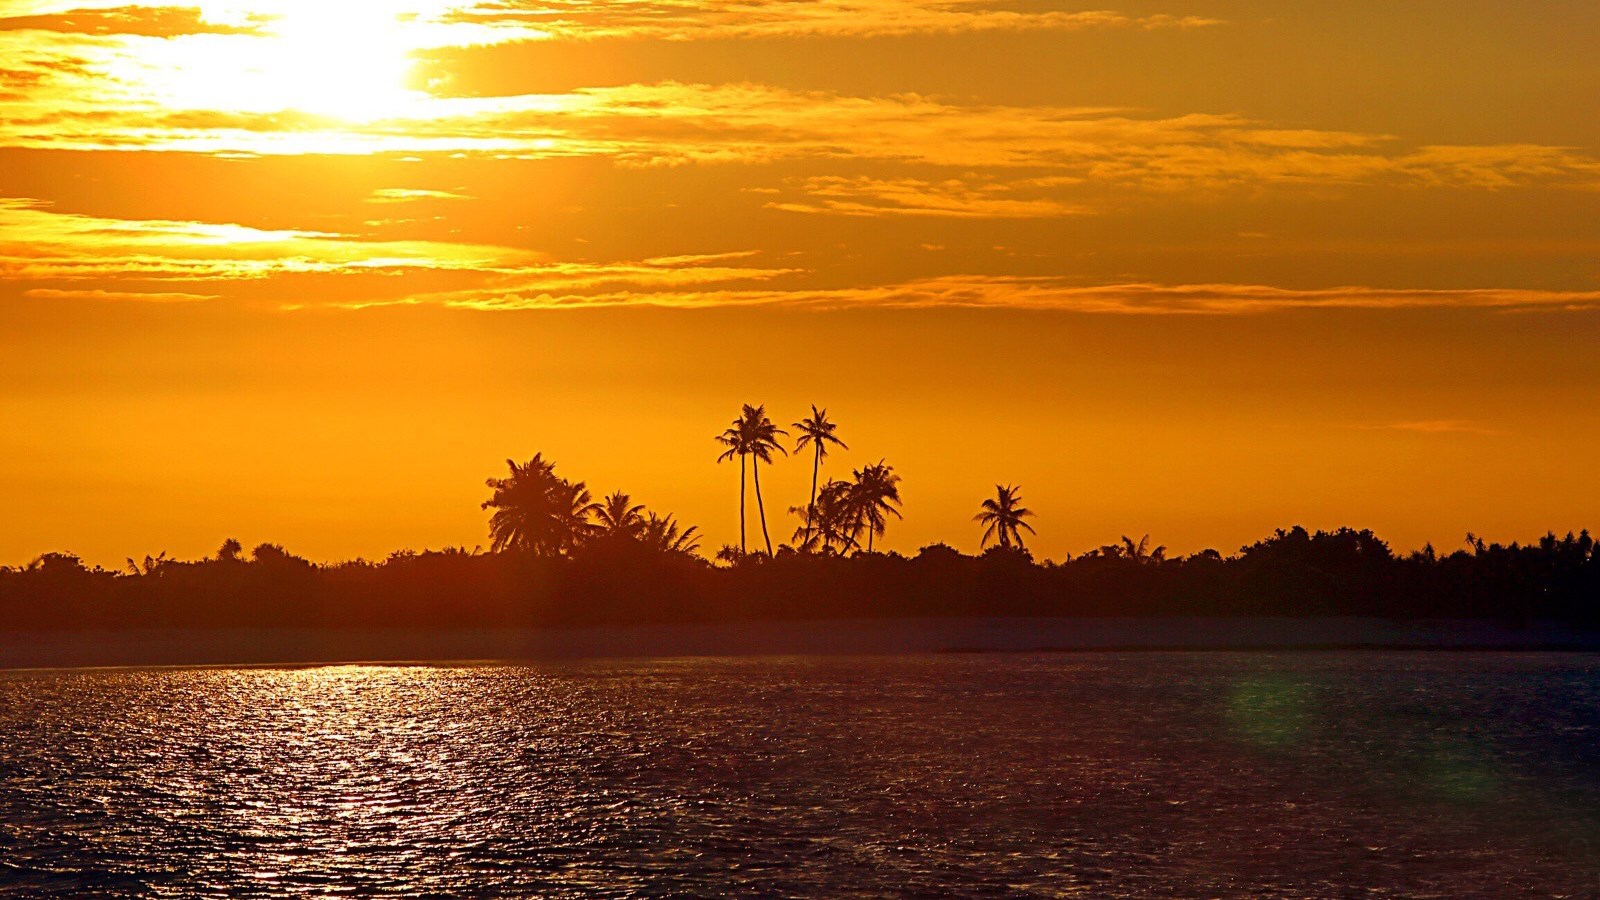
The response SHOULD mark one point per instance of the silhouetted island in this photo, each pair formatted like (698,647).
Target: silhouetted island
(1292,573)
(560,558)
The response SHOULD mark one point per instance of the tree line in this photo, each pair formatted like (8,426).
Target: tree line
(636,580)
(558,556)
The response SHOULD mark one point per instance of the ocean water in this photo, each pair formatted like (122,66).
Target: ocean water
(1093,775)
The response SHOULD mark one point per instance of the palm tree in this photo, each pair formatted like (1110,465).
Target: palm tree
(663,533)
(762,439)
(734,441)
(1134,551)
(514,494)
(818,432)
(1003,515)
(537,511)
(876,493)
(753,435)
(1141,552)
(618,516)
(833,518)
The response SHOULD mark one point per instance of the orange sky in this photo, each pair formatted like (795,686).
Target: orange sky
(308,272)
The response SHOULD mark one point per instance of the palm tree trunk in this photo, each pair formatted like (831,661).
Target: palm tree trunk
(811,511)
(869,538)
(755,467)
(742,480)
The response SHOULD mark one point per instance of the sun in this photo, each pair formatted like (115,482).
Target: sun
(344,59)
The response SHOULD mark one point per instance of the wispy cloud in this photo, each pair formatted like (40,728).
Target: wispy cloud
(127,20)
(530,291)
(72,256)
(73,107)
(465,23)
(688,20)
(98,294)
(69,256)
(1432,426)
(951,198)
(594,284)
(39,243)
(412,195)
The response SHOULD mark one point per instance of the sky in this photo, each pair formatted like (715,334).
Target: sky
(309,272)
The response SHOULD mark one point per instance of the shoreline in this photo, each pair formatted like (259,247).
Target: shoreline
(852,637)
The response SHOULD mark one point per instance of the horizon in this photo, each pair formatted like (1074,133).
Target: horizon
(1186,268)
(791,543)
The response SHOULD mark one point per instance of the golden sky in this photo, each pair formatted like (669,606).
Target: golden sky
(309,271)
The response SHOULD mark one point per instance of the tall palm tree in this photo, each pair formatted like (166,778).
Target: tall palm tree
(752,435)
(875,494)
(819,433)
(733,439)
(618,516)
(1003,515)
(762,440)
(537,511)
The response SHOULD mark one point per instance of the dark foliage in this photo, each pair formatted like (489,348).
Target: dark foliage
(1293,573)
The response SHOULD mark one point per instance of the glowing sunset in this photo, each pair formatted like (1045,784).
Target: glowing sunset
(1214,268)
(552,333)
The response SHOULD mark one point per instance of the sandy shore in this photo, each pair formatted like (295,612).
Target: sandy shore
(291,646)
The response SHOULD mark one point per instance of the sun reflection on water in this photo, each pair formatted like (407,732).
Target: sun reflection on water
(953,776)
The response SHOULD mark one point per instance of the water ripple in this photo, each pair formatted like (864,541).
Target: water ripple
(1315,775)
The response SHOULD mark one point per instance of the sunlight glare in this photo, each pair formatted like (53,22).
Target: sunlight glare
(348,60)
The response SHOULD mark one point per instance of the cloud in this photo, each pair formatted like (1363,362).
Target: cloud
(1432,426)
(118,296)
(566,284)
(411,195)
(582,289)
(951,198)
(39,243)
(66,256)
(677,20)
(121,103)
(71,256)
(438,24)
(143,21)
(1502,166)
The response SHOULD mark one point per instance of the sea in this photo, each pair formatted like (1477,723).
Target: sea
(1085,774)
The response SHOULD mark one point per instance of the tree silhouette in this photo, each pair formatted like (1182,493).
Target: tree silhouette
(752,434)
(665,535)
(619,517)
(817,431)
(1139,551)
(833,518)
(734,441)
(537,511)
(875,495)
(1002,515)
(152,564)
(1142,553)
